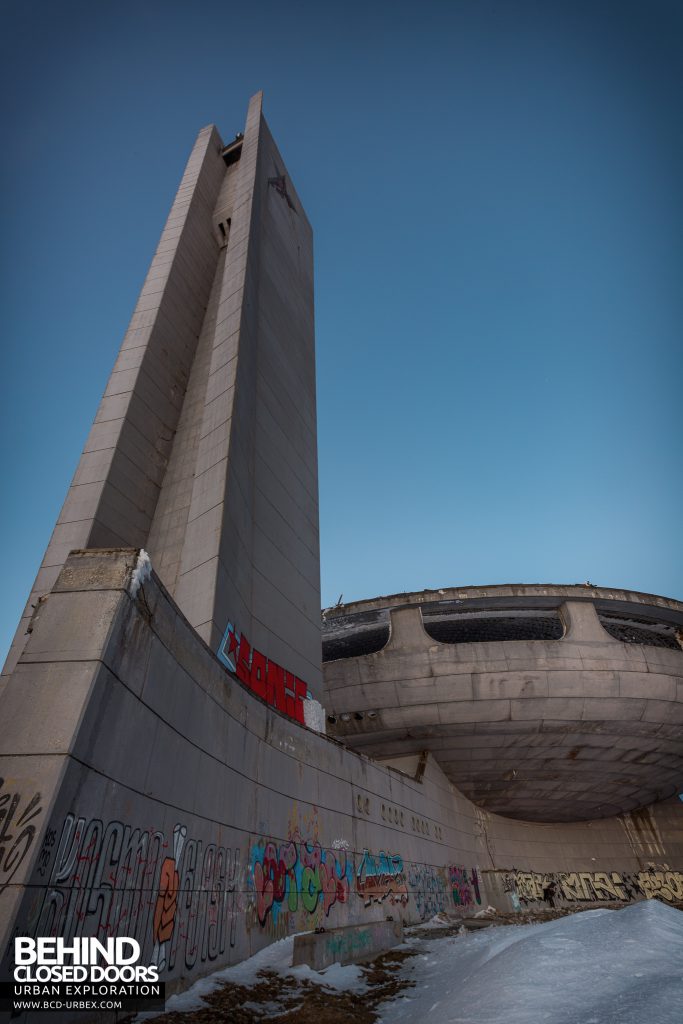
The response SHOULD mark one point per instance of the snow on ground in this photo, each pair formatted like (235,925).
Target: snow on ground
(276,957)
(596,967)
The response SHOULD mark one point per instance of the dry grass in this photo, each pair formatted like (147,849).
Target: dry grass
(285,1000)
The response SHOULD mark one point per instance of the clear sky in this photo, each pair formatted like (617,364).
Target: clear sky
(495,190)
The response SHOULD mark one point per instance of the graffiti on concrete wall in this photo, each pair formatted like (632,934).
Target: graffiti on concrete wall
(264,677)
(176,898)
(593,886)
(18,823)
(348,945)
(664,885)
(301,875)
(428,888)
(381,877)
(298,876)
(167,899)
(464,886)
(295,882)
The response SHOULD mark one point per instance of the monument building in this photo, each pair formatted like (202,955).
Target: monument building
(166,770)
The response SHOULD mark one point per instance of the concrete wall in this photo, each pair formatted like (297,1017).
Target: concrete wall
(156,796)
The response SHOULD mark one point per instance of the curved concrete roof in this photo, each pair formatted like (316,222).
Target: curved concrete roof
(521,591)
(576,724)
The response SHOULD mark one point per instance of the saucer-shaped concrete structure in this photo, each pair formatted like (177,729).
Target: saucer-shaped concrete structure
(546,703)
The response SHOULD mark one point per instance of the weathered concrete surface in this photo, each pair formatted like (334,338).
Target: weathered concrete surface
(351,945)
(204,447)
(547,729)
(148,759)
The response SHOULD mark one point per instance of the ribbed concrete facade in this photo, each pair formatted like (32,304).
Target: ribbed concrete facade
(203,449)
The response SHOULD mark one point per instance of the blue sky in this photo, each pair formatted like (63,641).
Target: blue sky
(495,192)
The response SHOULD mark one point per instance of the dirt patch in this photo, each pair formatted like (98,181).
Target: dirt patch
(286,1000)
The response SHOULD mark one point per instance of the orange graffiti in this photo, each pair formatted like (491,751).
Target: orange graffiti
(167,901)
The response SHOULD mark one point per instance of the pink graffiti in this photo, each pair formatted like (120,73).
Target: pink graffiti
(462,886)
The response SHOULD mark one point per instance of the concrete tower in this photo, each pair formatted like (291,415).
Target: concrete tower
(203,449)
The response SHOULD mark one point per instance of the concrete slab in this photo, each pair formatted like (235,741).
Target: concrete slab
(351,945)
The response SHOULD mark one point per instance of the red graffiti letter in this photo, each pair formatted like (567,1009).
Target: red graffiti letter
(244,661)
(257,678)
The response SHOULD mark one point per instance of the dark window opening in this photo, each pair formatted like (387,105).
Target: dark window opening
(223,232)
(479,627)
(233,151)
(354,636)
(640,631)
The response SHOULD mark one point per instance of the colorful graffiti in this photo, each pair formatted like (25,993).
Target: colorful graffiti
(593,886)
(464,887)
(265,678)
(381,878)
(428,888)
(115,879)
(293,876)
(17,831)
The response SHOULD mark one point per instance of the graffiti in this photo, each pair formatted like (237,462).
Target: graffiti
(593,886)
(46,850)
(268,680)
(381,878)
(474,878)
(663,885)
(114,879)
(428,887)
(348,945)
(167,900)
(464,887)
(508,883)
(206,908)
(295,876)
(17,831)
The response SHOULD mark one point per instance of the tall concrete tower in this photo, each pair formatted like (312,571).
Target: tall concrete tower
(203,449)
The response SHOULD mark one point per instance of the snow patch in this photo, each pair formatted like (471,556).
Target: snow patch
(276,958)
(594,967)
(141,573)
(609,966)
(489,912)
(314,715)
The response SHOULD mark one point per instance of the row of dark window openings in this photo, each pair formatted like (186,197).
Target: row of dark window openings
(468,629)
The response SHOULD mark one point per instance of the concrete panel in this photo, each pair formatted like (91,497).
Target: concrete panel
(351,945)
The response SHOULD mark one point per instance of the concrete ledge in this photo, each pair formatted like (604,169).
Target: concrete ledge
(350,945)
